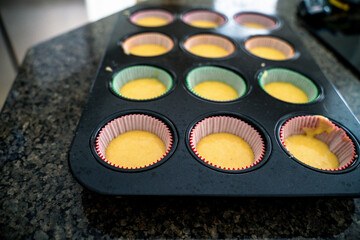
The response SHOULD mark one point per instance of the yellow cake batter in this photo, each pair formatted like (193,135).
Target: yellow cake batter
(226,150)
(152,22)
(286,92)
(312,151)
(216,91)
(268,53)
(148,50)
(135,149)
(253,25)
(143,88)
(209,50)
(204,24)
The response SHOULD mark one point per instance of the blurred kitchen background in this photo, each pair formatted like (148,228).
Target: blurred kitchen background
(25,23)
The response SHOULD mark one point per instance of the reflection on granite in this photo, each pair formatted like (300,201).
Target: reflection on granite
(40,199)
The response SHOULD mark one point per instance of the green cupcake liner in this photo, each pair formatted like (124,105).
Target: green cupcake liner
(141,71)
(212,73)
(288,76)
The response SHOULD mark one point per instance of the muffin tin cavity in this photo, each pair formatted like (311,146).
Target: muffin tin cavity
(141,82)
(148,44)
(204,19)
(271,48)
(325,132)
(215,83)
(151,18)
(218,151)
(288,85)
(209,46)
(255,21)
(133,151)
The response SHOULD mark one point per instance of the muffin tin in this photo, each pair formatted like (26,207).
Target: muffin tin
(181,172)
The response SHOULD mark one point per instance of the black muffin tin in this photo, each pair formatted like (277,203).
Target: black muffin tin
(181,172)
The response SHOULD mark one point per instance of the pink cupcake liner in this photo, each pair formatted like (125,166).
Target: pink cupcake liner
(152,13)
(148,38)
(209,39)
(204,15)
(129,123)
(225,124)
(267,22)
(271,42)
(338,141)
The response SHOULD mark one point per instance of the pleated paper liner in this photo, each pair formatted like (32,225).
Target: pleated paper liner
(138,72)
(128,123)
(270,44)
(204,19)
(283,75)
(337,140)
(210,40)
(219,74)
(232,125)
(144,17)
(144,40)
(255,20)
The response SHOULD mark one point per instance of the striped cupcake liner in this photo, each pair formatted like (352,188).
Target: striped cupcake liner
(227,124)
(338,141)
(210,39)
(204,15)
(158,13)
(271,42)
(148,38)
(132,122)
(256,18)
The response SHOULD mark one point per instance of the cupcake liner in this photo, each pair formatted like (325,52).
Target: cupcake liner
(288,76)
(148,38)
(152,13)
(271,42)
(205,15)
(141,71)
(337,140)
(256,18)
(212,73)
(129,123)
(226,124)
(209,39)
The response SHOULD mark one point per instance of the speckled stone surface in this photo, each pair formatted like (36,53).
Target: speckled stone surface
(39,198)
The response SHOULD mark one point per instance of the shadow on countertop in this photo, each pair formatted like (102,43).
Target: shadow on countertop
(185,217)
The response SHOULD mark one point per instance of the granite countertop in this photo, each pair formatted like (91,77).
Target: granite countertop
(40,199)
